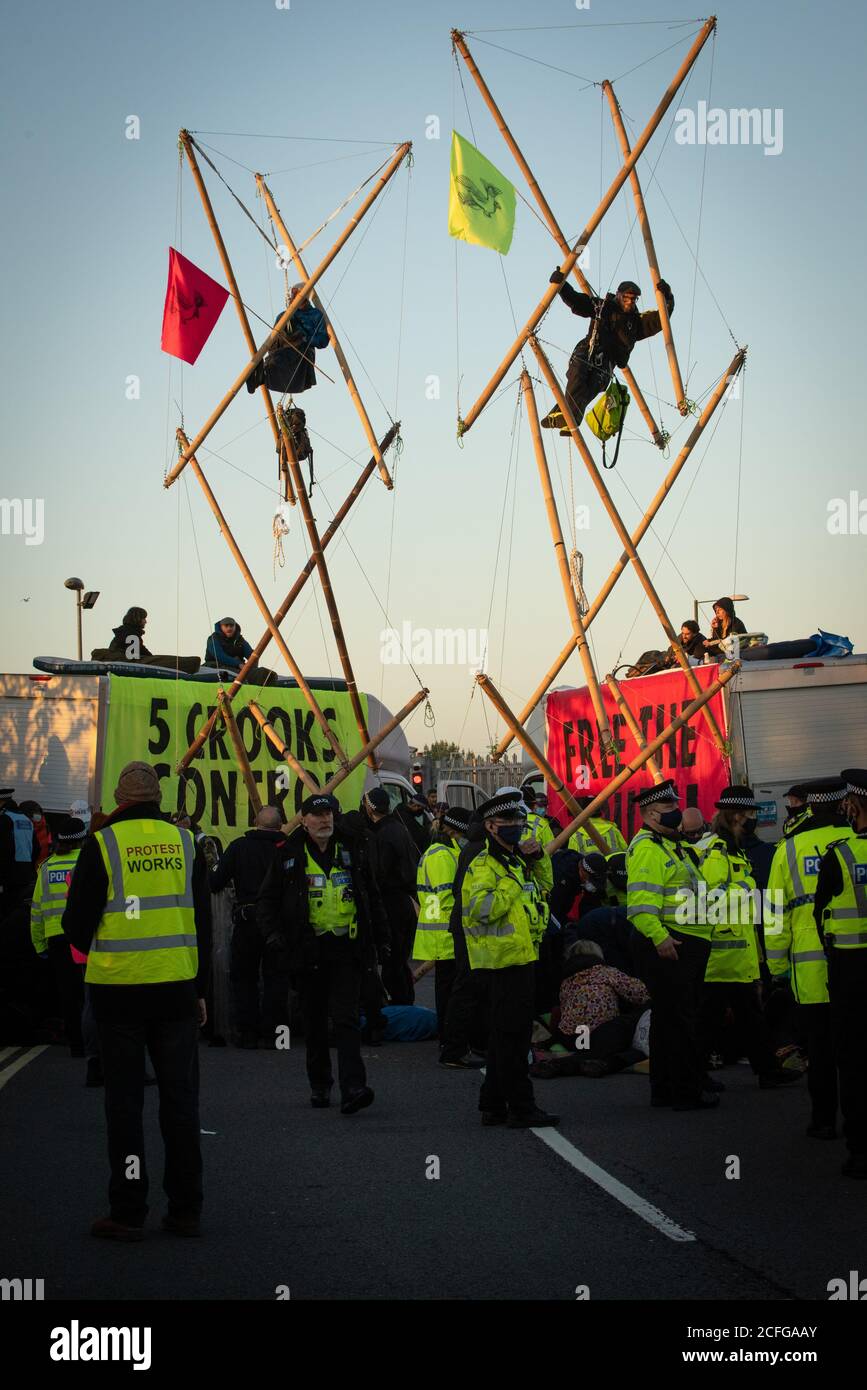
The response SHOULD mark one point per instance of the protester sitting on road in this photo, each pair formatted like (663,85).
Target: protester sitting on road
(604,1001)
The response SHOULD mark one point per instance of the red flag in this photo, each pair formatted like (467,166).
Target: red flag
(193,304)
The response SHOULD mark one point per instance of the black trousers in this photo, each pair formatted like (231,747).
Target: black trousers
(507,1084)
(466,1016)
(815,1023)
(396,972)
(676,1060)
(247,958)
(70,987)
(332,990)
(174,1051)
(584,383)
(753,1030)
(444,979)
(847,986)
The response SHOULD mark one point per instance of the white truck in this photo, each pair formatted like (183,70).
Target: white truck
(787,721)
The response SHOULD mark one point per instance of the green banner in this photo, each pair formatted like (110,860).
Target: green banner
(155,721)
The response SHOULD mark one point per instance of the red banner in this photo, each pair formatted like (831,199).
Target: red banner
(690,757)
(193,304)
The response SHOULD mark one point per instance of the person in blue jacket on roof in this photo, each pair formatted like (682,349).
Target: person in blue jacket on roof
(226,647)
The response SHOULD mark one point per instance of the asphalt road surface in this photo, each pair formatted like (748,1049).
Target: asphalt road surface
(633,1203)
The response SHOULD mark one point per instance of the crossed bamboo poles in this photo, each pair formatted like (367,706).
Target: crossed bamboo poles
(526,337)
(295,492)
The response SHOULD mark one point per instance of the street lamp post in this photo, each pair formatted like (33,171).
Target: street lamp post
(85,599)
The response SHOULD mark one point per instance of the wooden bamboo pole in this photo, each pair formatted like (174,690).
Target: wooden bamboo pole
(282,748)
(188,144)
(332,336)
(632,726)
(625,538)
(358,758)
(605,737)
(240,752)
(553,225)
(615,187)
(538,757)
(644,756)
(327,535)
(327,589)
(650,250)
(263,606)
(285,317)
(551,675)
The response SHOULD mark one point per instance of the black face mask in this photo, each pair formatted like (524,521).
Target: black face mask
(750,825)
(670,819)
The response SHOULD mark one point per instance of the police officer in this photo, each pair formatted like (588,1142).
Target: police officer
(19,852)
(436,880)
(732,974)
(579,839)
(395,857)
(840,912)
(797,810)
(245,864)
(46,933)
(504,918)
(139,907)
(792,944)
(662,887)
(320,912)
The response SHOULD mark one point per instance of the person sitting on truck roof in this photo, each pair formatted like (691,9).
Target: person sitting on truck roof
(226,648)
(693,641)
(127,644)
(725,623)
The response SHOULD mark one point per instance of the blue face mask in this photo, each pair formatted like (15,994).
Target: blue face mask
(511,834)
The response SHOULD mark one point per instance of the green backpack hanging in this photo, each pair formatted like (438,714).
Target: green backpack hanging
(606,416)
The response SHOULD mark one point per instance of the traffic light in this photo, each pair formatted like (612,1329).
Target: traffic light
(417,778)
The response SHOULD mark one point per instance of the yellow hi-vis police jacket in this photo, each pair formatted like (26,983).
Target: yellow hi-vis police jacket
(49,897)
(579,839)
(436,881)
(732,913)
(503,913)
(845,918)
(147,932)
(791,936)
(662,890)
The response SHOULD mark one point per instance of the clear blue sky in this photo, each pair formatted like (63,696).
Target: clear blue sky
(90,215)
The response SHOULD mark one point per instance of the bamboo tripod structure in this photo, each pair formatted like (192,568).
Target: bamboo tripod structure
(295,492)
(578,640)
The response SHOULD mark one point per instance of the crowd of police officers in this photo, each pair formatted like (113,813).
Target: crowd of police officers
(323,911)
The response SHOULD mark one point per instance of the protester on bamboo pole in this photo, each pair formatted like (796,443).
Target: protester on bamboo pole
(321,917)
(662,877)
(290,366)
(617,326)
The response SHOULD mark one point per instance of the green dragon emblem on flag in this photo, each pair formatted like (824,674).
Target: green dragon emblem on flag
(471,195)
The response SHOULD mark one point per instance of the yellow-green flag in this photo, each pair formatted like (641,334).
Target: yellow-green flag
(481,199)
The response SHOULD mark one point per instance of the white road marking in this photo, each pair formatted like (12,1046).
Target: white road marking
(13,1067)
(7,1052)
(612,1186)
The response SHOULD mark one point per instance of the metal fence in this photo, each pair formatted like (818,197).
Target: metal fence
(485,773)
